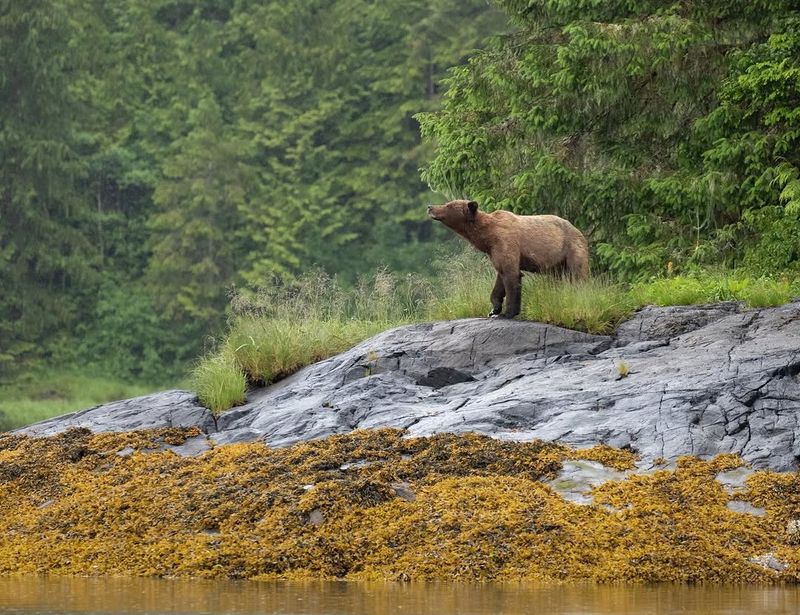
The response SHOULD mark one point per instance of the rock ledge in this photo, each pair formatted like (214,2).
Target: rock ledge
(702,380)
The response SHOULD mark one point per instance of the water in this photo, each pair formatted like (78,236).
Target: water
(45,596)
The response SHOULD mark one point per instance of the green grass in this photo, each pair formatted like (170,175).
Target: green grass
(594,306)
(276,330)
(262,350)
(268,349)
(44,394)
(711,287)
(280,329)
(219,382)
(462,290)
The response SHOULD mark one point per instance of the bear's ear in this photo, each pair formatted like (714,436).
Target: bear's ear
(472,207)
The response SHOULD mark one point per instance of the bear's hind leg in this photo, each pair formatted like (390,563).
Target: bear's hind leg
(513,285)
(577,264)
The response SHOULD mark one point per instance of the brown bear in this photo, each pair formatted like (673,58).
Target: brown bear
(540,244)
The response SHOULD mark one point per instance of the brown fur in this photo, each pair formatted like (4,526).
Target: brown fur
(540,244)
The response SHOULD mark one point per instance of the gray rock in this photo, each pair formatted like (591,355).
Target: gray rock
(403,490)
(577,478)
(655,324)
(191,448)
(793,531)
(357,465)
(768,561)
(440,377)
(735,479)
(166,409)
(703,380)
(745,508)
(315,517)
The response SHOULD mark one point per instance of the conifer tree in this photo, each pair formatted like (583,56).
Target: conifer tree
(46,251)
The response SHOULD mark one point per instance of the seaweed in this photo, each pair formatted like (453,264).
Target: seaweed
(376,504)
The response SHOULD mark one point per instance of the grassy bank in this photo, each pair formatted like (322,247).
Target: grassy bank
(376,505)
(277,330)
(43,394)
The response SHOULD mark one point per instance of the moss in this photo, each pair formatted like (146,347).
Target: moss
(374,505)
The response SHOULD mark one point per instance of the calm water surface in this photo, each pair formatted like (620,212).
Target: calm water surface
(35,595)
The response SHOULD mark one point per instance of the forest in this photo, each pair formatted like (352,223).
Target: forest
(161,157)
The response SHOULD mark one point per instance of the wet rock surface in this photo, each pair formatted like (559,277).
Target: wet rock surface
(165,409)
(577,478)
(703,380)
(768,561)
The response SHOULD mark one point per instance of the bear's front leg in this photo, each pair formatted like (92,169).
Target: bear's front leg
(498,294)
(513,285)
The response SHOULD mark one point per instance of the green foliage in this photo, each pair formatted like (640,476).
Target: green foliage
(195,232)
(45,230)
(130,339)
(711,287)
(155,154)
(752,141)
(668,132)
(334,138)
(169,151)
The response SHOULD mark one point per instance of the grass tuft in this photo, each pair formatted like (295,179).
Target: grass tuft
(595,306)
(462,290)
(219,382)
(278,329)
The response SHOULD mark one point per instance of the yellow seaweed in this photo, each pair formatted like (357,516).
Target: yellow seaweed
(376,505)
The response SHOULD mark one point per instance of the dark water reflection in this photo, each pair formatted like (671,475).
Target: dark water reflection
(43,595)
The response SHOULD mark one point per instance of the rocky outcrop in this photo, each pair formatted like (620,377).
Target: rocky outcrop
(701,380)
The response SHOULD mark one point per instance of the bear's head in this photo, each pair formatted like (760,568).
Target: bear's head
(455,214)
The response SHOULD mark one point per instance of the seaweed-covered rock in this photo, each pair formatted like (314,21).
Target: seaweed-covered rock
(702,380)
(377,505)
